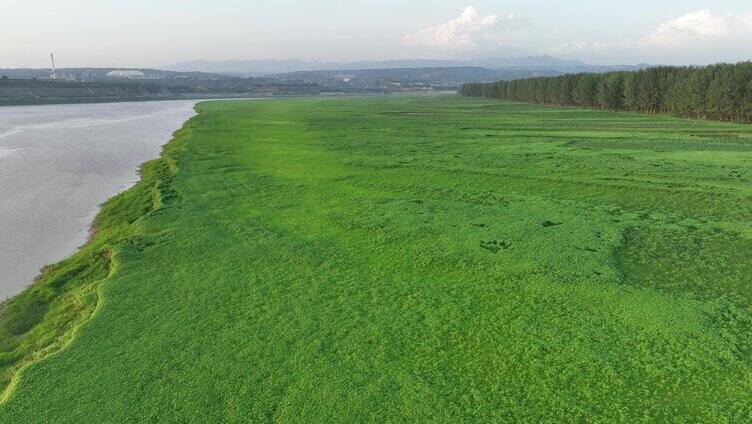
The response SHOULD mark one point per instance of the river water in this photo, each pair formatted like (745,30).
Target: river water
(58,163)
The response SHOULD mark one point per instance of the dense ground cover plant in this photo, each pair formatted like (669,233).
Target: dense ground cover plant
(438,259)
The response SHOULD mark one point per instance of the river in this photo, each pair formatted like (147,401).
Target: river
(58,163)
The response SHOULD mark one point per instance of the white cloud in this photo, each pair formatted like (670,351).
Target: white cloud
(578,46)
(468,30)
(696,37)
(596,51)
(703,27)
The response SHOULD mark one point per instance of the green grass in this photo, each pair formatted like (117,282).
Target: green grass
(425,259)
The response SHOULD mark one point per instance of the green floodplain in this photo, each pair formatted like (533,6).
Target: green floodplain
(393,259)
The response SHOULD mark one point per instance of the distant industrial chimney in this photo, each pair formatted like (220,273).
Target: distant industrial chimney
(54,72)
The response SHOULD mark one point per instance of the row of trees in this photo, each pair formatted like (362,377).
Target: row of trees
(722,92)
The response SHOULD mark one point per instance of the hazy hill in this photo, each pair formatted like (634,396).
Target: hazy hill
(273,66)
(446,77)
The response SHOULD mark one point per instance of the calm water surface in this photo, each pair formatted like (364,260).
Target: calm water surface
(58,163)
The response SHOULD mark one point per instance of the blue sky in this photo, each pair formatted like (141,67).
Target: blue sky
(161,32)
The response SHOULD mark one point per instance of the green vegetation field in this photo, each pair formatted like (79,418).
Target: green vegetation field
(413,259)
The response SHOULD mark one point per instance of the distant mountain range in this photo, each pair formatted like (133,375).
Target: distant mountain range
(270,67)
(444,77)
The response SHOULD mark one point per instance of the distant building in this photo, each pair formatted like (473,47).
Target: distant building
(126,73)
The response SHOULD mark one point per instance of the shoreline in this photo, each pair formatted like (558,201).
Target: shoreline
(42,102)
(222,97)
(60,230)
(78,301)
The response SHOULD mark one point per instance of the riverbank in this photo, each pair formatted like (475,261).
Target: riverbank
(44,318)
(196,97)
(58,164)
(405,259)
(37,91)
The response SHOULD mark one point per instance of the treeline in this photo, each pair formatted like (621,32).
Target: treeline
(722,92)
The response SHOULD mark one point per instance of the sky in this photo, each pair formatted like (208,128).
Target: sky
(154,33)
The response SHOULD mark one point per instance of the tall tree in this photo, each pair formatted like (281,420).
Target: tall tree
(719,91)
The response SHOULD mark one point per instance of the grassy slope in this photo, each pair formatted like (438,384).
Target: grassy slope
(422,259)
